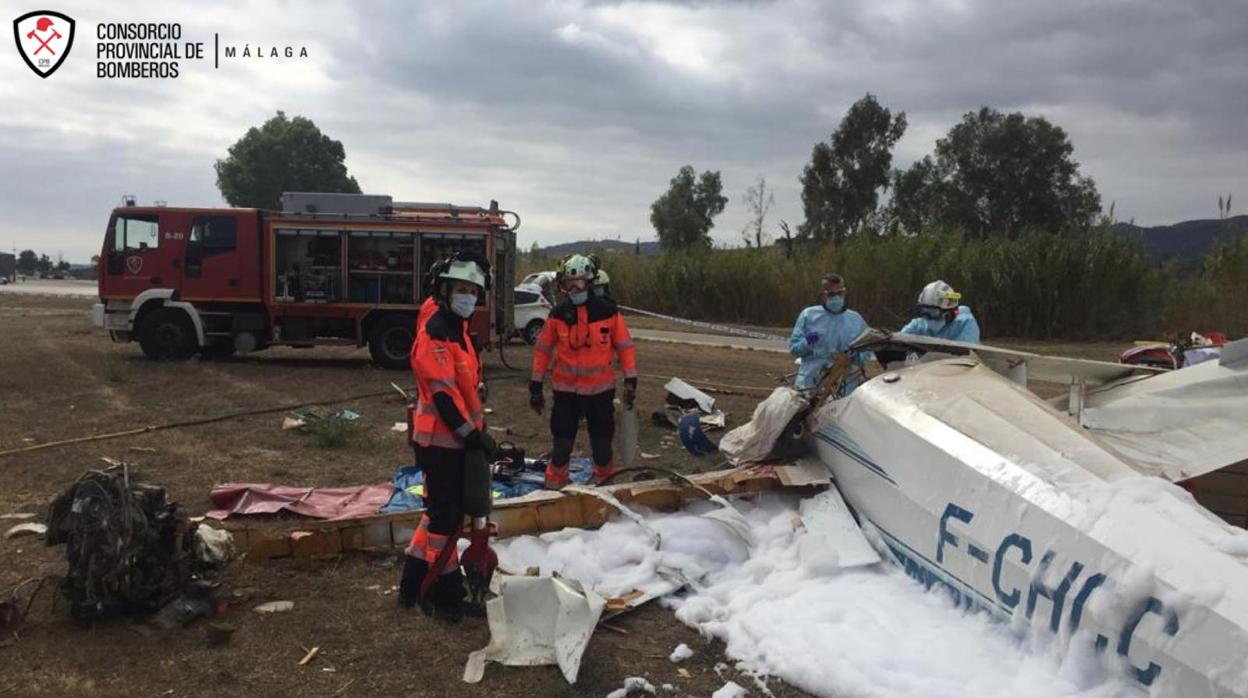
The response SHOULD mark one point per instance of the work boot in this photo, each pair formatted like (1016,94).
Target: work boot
(557,477)
(414,570)
(603,472)
(445,601)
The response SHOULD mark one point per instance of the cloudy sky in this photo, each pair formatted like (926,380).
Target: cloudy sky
(576,114)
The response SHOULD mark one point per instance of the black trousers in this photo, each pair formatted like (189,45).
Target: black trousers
(565,417)
(444,487)
(444,495)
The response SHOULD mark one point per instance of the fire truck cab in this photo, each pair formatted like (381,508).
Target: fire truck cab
(329,269)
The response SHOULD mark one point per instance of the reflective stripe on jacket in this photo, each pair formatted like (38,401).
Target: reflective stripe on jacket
(445,362)
(577,344)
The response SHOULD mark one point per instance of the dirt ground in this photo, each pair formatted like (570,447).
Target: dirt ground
(60,378)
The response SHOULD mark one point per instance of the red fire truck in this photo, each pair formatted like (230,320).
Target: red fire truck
(329,269)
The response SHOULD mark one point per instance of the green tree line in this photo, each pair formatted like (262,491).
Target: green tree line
(1040,285)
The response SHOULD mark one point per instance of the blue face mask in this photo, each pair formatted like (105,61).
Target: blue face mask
(579,297)
(462,304)
(834,304)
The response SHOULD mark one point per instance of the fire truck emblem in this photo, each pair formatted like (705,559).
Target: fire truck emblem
(43,40)
(134,264)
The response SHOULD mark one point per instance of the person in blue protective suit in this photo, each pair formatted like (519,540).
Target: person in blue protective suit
(940,316)
(824,331)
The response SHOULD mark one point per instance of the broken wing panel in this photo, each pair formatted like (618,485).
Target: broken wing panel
(1179,425)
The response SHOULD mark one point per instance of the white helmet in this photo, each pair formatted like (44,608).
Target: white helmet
(461,270)
(602,278)
(575,267)
(939,294)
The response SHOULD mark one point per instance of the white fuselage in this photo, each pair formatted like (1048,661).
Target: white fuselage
(978,486)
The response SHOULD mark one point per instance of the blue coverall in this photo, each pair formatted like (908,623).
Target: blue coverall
(836,331)
(963,327)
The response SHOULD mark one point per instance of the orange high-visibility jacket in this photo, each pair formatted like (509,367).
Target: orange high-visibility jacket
(447,374)
(582,339)
(427,309)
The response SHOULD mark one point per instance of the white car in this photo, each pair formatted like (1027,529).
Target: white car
(531,311)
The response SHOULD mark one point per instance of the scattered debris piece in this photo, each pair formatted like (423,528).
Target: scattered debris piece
(489,410)
(400,427)
(214,545)
(686,395)
(29,528)
(680,654)
(201,600)
(18,515)
(692,438)
(13,613)
(299,420)
(683,673)
(649,456)
(311,654)
(220,633)
(667,688)
(274,607)
(632,686)
(537,621)
(732,689)
(763,436)
(830,526)
(127,546)
(142,449)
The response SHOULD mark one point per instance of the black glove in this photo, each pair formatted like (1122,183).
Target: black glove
(489,445)
(536,400)
(630,392)
(475,440)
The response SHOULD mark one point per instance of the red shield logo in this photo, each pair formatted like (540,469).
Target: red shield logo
(134,264)
(44,39)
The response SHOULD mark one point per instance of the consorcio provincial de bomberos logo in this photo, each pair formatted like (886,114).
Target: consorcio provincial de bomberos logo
(44,39)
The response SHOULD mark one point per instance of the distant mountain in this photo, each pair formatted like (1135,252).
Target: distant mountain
(1183,243)
(648,249)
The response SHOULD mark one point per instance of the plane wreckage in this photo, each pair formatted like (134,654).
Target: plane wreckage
(1056,514)
(1060,516)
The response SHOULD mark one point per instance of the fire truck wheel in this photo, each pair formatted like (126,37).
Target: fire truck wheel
(168,335)
(531,331)
(391,341)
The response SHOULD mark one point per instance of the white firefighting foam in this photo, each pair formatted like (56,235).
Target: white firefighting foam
(787,609)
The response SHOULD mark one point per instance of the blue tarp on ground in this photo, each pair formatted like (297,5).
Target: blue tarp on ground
(409,484)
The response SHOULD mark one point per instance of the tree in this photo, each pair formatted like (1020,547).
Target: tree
(282,155)
(27,262)
(758,201)
(997,174)
(842,183)
(684,215)
(45,264)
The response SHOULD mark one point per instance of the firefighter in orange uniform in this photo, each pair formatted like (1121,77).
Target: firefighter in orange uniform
(577,343)
(451,443)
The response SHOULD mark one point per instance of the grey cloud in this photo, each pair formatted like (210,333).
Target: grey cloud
(575,114)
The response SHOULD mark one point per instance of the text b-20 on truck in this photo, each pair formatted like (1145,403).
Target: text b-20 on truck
(329,269)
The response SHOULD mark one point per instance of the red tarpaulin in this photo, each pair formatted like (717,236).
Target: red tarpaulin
(317,502)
